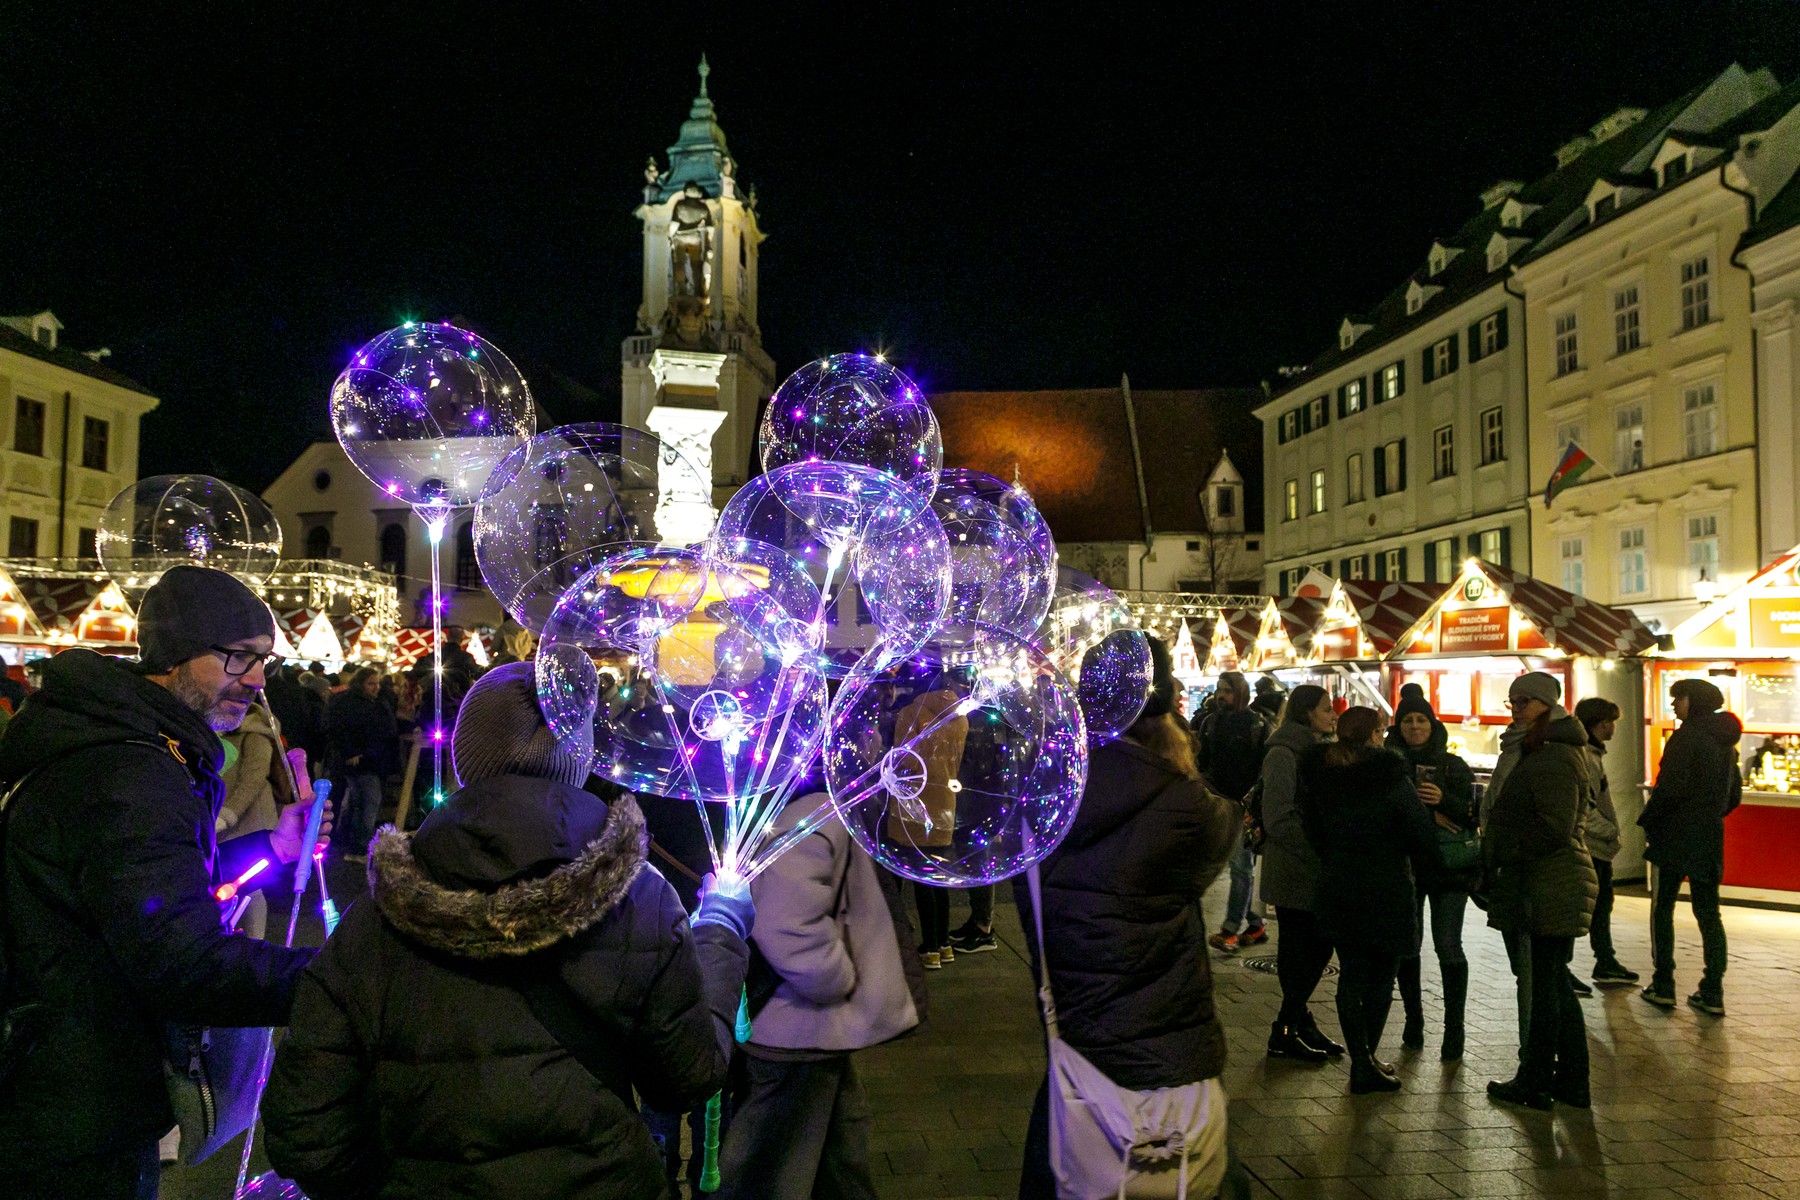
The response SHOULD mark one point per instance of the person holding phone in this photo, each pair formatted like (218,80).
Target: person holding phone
(1446,788)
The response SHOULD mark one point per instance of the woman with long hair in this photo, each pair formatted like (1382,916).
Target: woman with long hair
(1542,886)
(1363,815)
(1290,878)
(1129,964)
(1446,787)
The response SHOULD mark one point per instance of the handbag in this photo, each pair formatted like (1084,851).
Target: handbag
(1460,848)
(1112,1141)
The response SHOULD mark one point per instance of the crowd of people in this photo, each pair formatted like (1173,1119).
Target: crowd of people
(544,984)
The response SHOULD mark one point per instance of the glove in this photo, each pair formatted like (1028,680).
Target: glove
(726,903)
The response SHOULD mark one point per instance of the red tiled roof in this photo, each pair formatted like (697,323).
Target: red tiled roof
(1072,450)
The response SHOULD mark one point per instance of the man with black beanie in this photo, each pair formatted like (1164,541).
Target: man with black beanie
(107,870)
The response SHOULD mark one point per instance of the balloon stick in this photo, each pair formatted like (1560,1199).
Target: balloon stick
(435,520)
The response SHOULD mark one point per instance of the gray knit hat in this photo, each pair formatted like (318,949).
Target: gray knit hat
(500,730)
(1537,685)
(193,609)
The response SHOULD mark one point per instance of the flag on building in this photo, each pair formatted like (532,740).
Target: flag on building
(1575,463)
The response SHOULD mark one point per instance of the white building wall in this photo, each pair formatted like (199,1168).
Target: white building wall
(1774,267)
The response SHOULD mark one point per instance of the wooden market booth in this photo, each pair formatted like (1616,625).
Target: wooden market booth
(1361,622)
(1747,643)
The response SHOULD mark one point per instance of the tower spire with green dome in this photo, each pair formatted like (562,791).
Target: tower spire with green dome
(699,155)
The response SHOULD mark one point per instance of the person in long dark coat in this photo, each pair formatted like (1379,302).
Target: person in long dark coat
(1364,819)
(1697,787)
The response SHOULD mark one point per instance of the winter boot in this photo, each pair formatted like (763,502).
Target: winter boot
(1456,998)
(1285,1042)
(1412,1036)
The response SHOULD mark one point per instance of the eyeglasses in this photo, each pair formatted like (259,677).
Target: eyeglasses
(1518,701)
(242,662)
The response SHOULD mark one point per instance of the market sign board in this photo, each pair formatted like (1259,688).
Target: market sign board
(1774,622)
(1474,630)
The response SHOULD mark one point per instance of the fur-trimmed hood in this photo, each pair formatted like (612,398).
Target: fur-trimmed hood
(508,866)
(1374,770)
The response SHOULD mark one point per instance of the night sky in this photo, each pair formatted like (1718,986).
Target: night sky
(232,197)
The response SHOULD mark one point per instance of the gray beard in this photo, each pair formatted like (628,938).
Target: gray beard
(201,700)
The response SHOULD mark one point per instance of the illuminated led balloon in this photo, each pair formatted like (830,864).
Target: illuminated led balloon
(962,765)
(854,408)
(427,410)
(171,520)
(881,565)
(695,673)
(1091,635)
(559,504)
(1003,557)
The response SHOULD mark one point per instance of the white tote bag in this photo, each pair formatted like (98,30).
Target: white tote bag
(1107,1141)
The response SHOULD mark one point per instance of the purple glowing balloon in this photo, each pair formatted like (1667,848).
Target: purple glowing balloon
(427,410)
(561,503)
(857,409)
(962,765)
(881,564)
(1002,554)
(1091,635)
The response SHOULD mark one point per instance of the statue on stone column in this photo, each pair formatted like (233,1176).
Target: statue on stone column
(690,244)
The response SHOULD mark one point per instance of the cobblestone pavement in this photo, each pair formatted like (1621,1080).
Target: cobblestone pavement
(1685,1105)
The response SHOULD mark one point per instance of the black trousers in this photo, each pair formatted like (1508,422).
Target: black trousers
(1556,1053)
(1600,928)
(1302,952)
(130,1174)
(1703,896)
(934,915)
(800,1129)
(1365,992)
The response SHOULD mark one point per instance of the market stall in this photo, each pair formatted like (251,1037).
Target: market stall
(1748,644)
(1360,624)
(1492,625)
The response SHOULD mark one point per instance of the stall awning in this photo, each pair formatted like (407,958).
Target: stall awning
(1365,619)
(1761,618)
(1284,631)
(1490,609)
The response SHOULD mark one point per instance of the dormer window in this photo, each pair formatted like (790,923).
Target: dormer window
(1501,248)
(1514,213)
(1441,256)
(1349,331)
(1676,168)
(1418,294)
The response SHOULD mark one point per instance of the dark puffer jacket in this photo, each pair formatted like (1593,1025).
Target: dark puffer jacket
(1541,879)
(1697,787)
(415,1066)
(1367,824)
(1457,783)
(362,729)
(109,863)
(1129,965)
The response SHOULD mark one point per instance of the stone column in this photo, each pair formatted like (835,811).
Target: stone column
(684,508)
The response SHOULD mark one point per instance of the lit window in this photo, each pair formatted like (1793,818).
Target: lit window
(1493,334)
(1493,437)
(1443,452)
(1572,568)
(1703,548)
(1292,508)
(1392,382)
(1700,420)
(1318,491)
(1390,468)
(1353,479)
(1567,345)
(1628,438)
(1696,291)
(1491,546)
(1443,561)
(1627,320)
(1634,562)
(1353,397)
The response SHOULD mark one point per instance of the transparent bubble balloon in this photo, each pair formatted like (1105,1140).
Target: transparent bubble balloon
(858,409)
(1113,683)
(171,520)
(880,564)
(1083,612)
(696,673)
(561,503)
(427,410)
(1002,554)
(962,765)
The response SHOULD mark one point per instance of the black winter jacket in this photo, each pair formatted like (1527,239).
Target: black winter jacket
(1697,787)
(1366,823)
(1457,783)
(1231,750)
(109,861)
(1129,964)
(359,726)
(415,1066)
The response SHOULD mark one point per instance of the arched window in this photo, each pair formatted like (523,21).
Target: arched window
(393,548)
(468,571)
(318,542)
